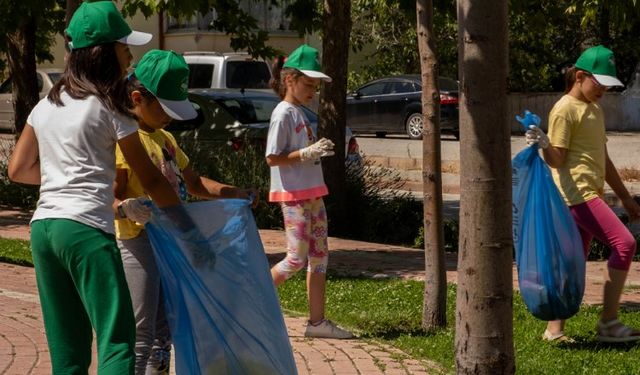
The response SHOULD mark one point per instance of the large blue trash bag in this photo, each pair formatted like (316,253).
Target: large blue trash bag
(222,307)
(549,252)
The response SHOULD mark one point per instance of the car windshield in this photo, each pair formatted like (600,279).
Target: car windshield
(248,74)
(248,110)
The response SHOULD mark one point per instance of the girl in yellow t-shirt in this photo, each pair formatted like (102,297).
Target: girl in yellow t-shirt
(577,154)
(158,91)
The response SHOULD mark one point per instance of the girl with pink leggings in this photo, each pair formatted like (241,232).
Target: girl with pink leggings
(577,153)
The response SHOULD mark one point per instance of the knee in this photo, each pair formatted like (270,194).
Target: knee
(623,254)
(289,266)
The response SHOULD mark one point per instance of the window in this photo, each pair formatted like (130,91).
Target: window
(373,89)
(401,87)
(249,110)
(269,16)
(200,76)
(248,74)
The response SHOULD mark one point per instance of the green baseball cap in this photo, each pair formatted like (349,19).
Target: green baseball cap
(100,22)
(599,61)
(306,59)
(166,75)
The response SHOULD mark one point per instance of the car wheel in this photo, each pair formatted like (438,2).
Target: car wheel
(381,134)
(414,126)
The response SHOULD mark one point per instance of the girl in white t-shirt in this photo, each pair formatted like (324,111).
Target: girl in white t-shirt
(297,183)
(68,148)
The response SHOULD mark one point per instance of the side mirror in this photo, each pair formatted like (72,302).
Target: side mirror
(354,94)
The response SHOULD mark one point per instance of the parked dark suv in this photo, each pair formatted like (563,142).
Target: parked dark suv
(393,105)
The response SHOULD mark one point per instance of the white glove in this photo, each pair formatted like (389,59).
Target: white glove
(135,209)
(536,135)
(324,147)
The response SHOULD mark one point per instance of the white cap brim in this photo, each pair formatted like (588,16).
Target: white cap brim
(315,74)
(136,38)
(608,81)
(178,109)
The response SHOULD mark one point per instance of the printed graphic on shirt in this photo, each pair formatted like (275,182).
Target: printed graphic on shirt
(169,168)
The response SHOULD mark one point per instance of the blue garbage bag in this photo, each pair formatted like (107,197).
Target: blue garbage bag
(549,252)
(222,307)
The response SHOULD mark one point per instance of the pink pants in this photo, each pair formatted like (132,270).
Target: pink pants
(596,219)
(305,223)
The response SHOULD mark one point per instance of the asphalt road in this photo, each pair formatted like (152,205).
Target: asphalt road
(624,148)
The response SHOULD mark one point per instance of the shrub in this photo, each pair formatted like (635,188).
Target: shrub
(12,194)
(244,168)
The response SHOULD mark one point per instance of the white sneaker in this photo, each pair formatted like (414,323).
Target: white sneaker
(327,329)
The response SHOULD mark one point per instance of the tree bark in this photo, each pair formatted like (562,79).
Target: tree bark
(332,121)
(21,56)
(484,316)
(72,5)
(434,307)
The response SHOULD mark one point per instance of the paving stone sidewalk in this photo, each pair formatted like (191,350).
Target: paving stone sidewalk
(23,347)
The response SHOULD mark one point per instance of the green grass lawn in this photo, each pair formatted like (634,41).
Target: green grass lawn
(15,251)
(390,311)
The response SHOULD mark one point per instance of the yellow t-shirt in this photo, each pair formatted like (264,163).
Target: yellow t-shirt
(168,157)
(579,127)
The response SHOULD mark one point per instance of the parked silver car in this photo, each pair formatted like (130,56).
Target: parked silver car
(46,79)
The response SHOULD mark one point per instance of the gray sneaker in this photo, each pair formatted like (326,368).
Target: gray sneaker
(327,329)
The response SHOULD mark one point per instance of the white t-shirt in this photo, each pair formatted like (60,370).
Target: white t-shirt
(289,131)
(77,144)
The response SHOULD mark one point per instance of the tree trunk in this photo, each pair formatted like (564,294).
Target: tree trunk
(72,5)
(21,56)
(604,18)
(434,307)
(484,316)
(332,109)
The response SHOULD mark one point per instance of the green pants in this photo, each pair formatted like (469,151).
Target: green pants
(82,286)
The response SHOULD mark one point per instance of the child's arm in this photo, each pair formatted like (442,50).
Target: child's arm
(554,156)
(283,159)
(24,165)
(154,183)
(322,148)
(206,188)
(615,182)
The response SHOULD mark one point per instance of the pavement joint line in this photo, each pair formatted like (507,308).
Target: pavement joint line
(27,297)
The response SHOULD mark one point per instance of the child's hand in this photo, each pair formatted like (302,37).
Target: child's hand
(250,194)
(135,209)
(322,148)
(536,135)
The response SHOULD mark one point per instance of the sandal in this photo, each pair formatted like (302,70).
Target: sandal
(614,331)
(559,337)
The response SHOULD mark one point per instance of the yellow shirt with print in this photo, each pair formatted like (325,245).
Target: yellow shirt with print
(164,152)
(579,128)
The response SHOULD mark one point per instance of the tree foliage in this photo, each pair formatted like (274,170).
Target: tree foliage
(384,32)
(241,27)
(545,36)
(49,18)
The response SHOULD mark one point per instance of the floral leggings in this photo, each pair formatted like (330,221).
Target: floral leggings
(305,223)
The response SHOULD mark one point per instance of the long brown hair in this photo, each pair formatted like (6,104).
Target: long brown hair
(279,76)
(93,71)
